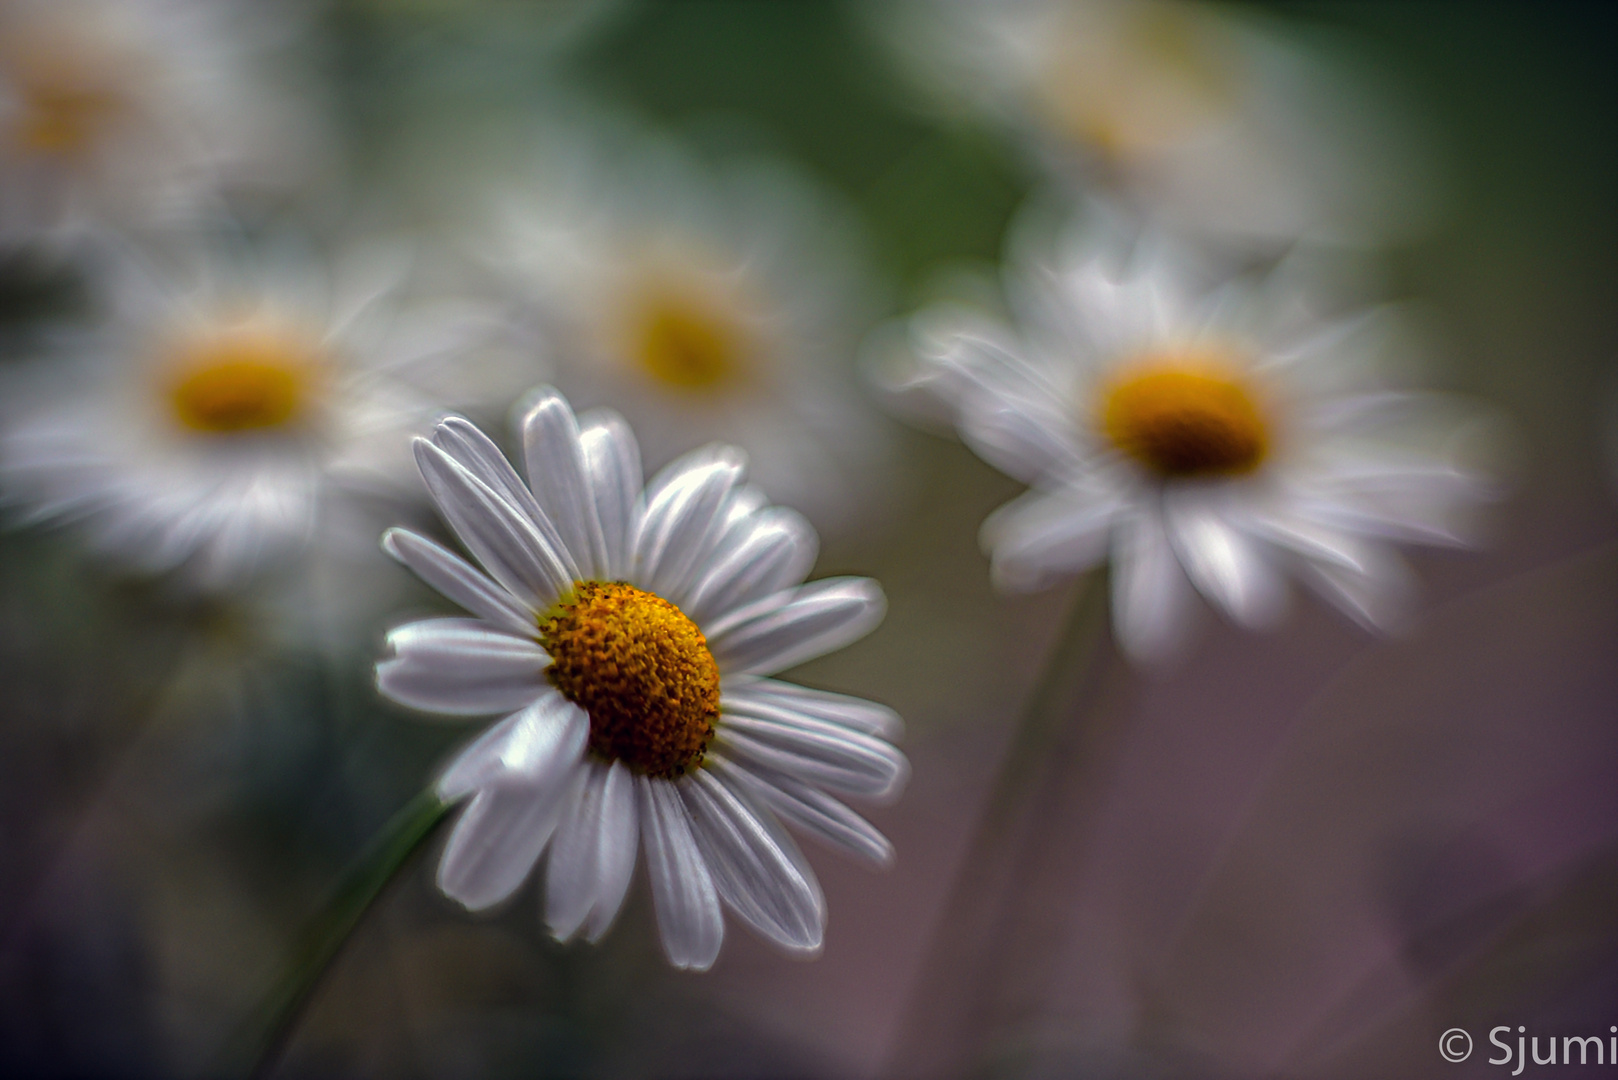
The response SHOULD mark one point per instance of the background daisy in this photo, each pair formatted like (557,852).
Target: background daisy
(227,405)
(1206,117)
(142,113)
(1216,438)
(703,303)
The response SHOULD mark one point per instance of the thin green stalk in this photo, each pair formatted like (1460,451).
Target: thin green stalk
(262,1039)
(1067,667)
(956,960)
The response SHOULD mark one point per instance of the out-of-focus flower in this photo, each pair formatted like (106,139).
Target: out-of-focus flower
(632,633)
(1208,119)
(134,112)
(208,426)
(1195,436)
(723,305)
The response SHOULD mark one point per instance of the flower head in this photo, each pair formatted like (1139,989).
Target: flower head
(132,113)
(1219,438)
(703,303)
(1199,115)
(226,407)
(629,637)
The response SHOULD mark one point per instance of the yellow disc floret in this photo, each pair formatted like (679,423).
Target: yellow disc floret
(681,345)
(68,89)
(641,669)
(1185,416)
(63,119)
(245,379)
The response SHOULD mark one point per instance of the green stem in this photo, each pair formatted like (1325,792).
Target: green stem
(264,1036)
(957,960)
(1067,667)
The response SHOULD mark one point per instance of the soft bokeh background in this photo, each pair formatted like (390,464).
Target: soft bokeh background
(1302,854)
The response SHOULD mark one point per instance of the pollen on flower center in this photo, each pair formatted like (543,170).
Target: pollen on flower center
(247,379)
(683,346)
(1185,416)
(641,669)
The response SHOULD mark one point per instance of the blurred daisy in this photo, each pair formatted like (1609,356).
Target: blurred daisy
(703,306)
(1203,117)
(132,112)
(633,634)
(226,409)
(1219,439)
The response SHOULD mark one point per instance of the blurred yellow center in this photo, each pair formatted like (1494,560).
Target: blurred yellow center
(641,669)
(65,99)
(1185,415)
(245,380)
(682,345)
(1152,76)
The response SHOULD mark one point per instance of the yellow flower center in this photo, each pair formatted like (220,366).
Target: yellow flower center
(1149,76)
(63,120)
(68,93)
(1185,416)
(685,345)
(246,379)
(642,671)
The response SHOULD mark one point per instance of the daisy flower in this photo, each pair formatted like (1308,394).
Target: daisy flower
(704,304)
(226,408)
(629,637)
(1219,439)
(1206,118)
(133,112)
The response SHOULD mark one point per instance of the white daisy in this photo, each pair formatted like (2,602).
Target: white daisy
(134,112)
(226,408)
(629,636)
(1200,115)
(722,304)
(1210,438)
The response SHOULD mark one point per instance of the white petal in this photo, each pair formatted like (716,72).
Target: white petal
(771,550)
(570,870)
(756,868)
(612,459)
(1315,542)
(826,754)
(1007,406)
(1024,440)
(687,903)
(458,580)
(850,712)
(474,451)
(530,747)
(620,840)
(1226,566)
(682,519)
(593,853)
(503,538)
(469,447)
(1378,599)
(462,667)
(1040,537)
(813,811)
(1149,589)
(560,478)
(796,625)
(499,837)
